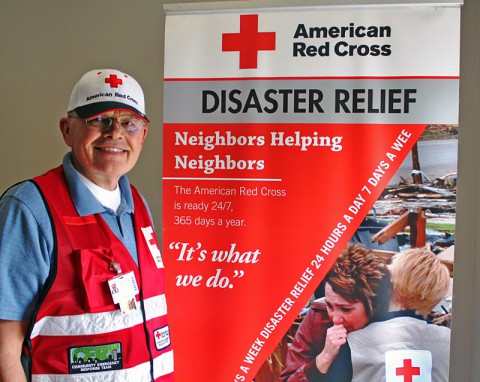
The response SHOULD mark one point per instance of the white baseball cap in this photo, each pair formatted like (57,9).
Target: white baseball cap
(107,89)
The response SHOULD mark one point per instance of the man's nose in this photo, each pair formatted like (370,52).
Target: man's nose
(114,130)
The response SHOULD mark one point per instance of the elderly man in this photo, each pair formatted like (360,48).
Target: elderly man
(81,275)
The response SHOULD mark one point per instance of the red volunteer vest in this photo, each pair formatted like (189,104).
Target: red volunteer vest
(78,331)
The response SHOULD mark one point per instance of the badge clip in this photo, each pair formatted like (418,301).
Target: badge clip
(114,266)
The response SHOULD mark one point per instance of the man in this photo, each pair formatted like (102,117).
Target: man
(81,275)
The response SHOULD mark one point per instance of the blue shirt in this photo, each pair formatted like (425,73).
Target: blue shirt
(27,242)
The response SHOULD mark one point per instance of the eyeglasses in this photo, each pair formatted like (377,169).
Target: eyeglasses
(102,123)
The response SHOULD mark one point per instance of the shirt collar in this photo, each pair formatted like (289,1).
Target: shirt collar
(84,201)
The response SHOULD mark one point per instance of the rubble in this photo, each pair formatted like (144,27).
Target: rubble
(436,199)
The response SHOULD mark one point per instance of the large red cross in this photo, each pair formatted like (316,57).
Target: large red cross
(113,80)
(248,42)
(407,370)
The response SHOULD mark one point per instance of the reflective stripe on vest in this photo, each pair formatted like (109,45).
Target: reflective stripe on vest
(99,323)
(163,365)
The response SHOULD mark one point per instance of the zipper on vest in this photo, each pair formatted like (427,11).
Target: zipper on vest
(147,335)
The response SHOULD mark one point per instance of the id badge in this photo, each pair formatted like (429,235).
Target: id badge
(123,289)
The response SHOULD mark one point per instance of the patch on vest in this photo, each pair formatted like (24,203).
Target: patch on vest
(152,246)
(162,337)
(88,359)
(408,366)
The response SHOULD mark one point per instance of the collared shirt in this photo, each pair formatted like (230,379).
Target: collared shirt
(27,242)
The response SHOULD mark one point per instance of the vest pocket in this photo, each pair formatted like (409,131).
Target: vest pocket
(96,268)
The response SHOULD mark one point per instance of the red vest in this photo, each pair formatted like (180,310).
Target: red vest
(78,330)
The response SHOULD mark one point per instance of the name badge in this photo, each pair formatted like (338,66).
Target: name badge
(123,289)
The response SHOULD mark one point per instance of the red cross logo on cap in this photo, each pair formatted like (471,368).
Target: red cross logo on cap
(248,42)
(113,80)
(407,370)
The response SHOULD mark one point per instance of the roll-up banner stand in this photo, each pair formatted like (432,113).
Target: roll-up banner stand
(282,128)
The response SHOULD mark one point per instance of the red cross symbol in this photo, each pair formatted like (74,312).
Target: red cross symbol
(407,370)
(248,42)
(158,335)
(113,80)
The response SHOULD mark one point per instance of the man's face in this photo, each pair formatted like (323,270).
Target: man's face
(103,157)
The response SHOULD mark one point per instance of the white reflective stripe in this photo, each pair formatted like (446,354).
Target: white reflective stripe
(98,323)
(140,373)
(163,365)
(155,307)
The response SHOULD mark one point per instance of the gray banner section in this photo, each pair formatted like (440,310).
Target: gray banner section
(383,101)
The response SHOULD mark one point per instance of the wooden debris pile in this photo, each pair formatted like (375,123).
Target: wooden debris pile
(436,199)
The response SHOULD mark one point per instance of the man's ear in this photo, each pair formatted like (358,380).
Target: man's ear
(65,130)
(145,132)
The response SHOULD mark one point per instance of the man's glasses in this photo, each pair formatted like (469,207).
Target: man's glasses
(102,123)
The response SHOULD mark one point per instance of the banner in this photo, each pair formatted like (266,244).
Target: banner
(281,129)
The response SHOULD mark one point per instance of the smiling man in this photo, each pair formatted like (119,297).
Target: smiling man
(81,275)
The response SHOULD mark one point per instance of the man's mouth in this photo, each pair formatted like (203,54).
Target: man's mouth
(111,149)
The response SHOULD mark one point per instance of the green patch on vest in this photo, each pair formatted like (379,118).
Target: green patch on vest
(88,359)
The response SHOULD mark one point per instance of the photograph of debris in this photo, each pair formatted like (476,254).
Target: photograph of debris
(416,210)
(419,203)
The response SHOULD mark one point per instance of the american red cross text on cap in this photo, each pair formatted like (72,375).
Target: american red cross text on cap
(102,90)
(248,42)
